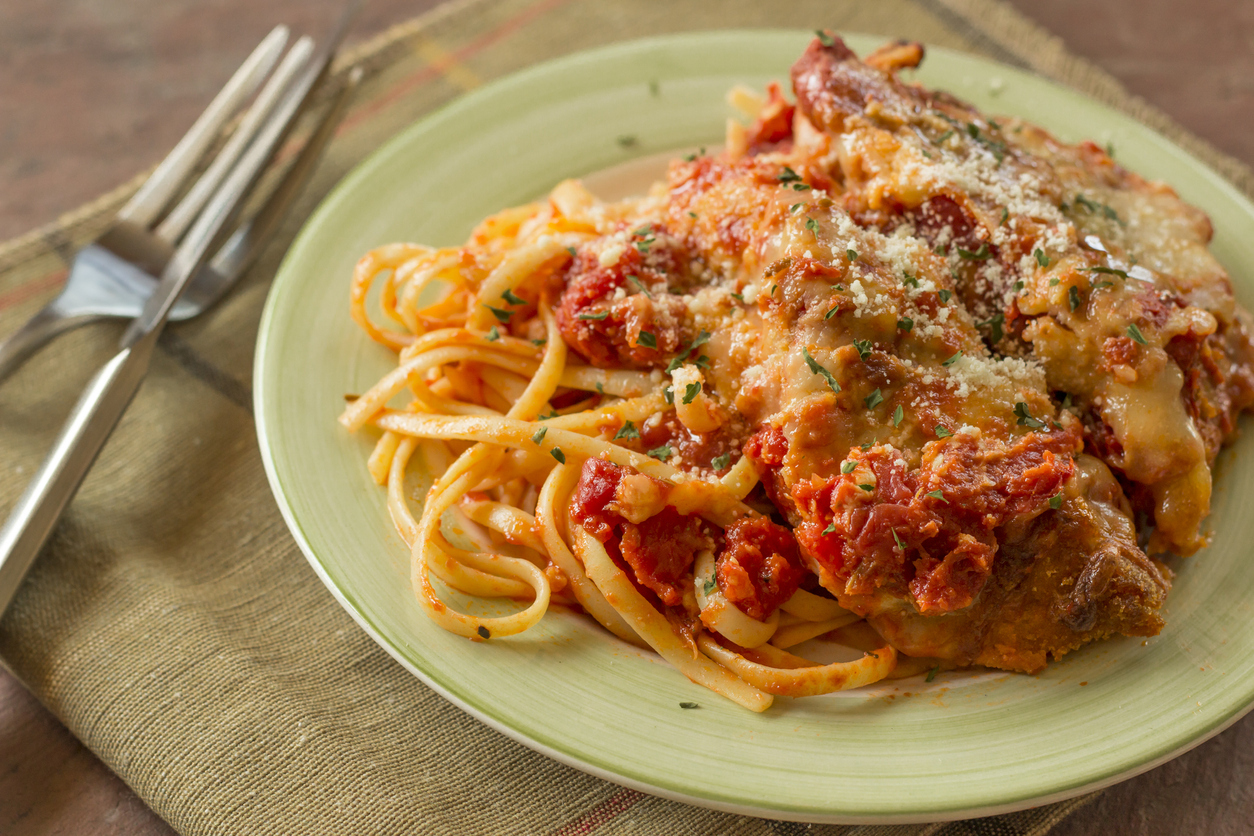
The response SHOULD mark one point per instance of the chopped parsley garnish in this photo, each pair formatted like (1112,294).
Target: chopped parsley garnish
(897,540)
(1005,215)
(669,394)
(1018,285)
(1053,282)
(944,295)
(851,255)
(539,436)
(634,279)
(502,315)
(1073,296)
(596,316)
(600,388)
(646,339)
(1025,417)
(1135,333)
(848,467)
(701,339)
(690,392)
(689,705)
(1055,501)
(952,360)
(940,249)
(910,280)
(905,323)
(559,455)
(645,234)
(864,348)
(483,632)
(510,297)
(789,176)
(628,431)
(932,673)
(998,149)
(867,488)
(982,254)
(824,38)
(661,453)
(1108,270)
(709,586)
(1041,258)
(1102,285)
(692,215)
(831,528)
(812,225)
(946,135)
(938,494)
(801,187)
(874,399)
(832,311)
(739,297)
(552,414)
(816,368)
(721,462)
(493,335)
(942,431)
(1094,206)
(899,415)
(538,343)
(795,207)
(573,252)
(995,324)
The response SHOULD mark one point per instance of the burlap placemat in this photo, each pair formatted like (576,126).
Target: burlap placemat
(172,623)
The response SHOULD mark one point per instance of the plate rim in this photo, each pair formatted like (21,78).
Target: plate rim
(377,158)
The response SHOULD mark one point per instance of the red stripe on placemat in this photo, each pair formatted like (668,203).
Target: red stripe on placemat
(22,292)
(604,813)
(431,71)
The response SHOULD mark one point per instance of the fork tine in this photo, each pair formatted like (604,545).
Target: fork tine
(227,200)
(110,391)
(245,245)
(182,215)
(145,205)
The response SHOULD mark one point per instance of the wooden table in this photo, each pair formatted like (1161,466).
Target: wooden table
(92,92)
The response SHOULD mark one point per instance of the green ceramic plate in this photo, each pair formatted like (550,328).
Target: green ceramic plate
(962,745)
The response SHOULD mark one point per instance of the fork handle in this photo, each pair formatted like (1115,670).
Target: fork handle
(94,417)
(25,341)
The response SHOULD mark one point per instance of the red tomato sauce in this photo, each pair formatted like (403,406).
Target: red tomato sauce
(897,533)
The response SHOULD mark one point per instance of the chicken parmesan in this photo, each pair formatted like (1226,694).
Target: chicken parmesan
(884,374)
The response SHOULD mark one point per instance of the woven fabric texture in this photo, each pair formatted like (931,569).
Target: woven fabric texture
(173,624)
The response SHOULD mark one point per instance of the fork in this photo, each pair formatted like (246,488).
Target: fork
(109,392)
(114,277)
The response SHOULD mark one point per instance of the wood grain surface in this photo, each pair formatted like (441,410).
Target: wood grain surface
(94,91)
